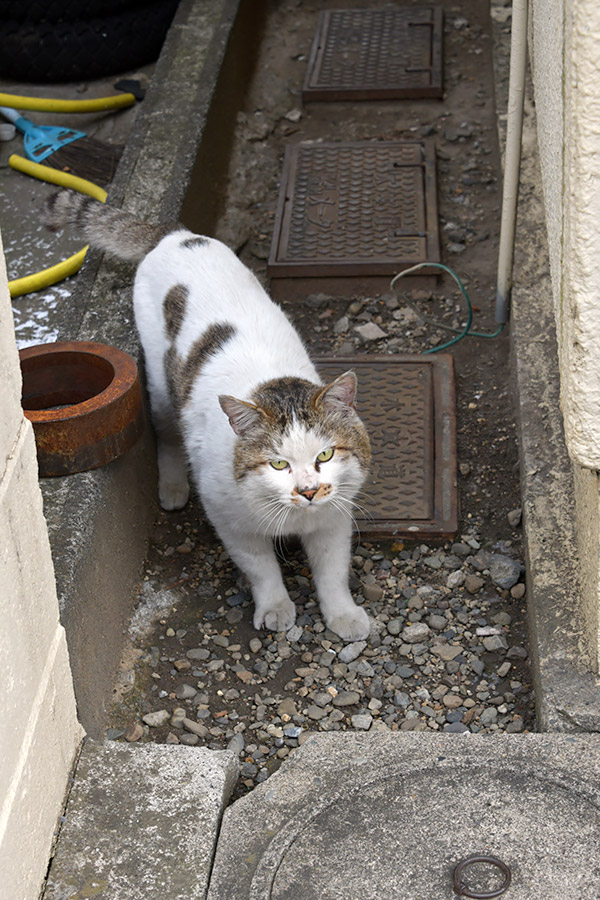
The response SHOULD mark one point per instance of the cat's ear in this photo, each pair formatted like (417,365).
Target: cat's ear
(243,417)
(340,395)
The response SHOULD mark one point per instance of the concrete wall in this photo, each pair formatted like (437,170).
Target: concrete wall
(565,50)
(565,54)
(39,734)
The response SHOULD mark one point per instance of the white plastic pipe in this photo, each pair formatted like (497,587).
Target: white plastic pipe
(512,158)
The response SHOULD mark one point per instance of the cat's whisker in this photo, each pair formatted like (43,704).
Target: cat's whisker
(352,501)
(268,511)
(269,508)
(350,515)
(361,509)
(271,518)
(278,538)
(339,504)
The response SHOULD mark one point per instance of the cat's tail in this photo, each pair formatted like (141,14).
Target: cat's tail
(105,227)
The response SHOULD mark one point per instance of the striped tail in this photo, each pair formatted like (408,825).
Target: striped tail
(105,227)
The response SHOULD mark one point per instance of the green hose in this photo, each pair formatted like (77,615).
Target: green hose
(460,332)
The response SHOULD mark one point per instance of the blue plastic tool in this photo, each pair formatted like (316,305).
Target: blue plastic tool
(40,140)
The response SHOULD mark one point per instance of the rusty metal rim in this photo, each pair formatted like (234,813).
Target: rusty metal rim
(75,436)
(463,891)
(124,374)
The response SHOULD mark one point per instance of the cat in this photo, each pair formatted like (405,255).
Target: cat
(236,399)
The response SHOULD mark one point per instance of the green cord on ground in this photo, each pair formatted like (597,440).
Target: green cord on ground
(460,332)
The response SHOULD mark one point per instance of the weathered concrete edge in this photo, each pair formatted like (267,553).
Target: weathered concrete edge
(99,521)
(567,691)
(124,835)
(332,767)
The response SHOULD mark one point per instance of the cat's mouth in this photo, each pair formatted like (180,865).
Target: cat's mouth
(311,497)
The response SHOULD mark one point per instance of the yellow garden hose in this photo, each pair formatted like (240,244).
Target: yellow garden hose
(72,264)
(30,283)
(44,104)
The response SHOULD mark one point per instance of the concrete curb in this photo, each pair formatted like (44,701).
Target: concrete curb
(567,691)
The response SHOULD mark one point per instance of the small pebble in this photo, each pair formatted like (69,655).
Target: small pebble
(236,744)
(156,719)
(133,732)
(346,698)
(416,633)
(372,593)
(195,727)
(517,591)
(185,692)
(351,651)
(362,721)
(473,583)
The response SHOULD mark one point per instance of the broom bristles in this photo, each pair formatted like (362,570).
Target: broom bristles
(87,158)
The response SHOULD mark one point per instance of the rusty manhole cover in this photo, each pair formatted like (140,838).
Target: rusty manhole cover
(354,211)
(364,54)
(408,406)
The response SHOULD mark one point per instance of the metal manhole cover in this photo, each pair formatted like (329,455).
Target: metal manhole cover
(407,404)
(364,54)
(348,210)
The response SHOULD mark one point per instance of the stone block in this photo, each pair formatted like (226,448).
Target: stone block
(141,822)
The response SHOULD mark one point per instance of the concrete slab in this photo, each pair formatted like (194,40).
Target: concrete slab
(390,816)
(141,822)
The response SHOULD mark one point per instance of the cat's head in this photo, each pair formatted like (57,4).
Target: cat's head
(300,445)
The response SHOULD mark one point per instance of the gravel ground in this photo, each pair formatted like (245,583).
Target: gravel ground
(447,649)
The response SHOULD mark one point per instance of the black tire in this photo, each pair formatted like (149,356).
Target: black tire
(62,10)
(84,49)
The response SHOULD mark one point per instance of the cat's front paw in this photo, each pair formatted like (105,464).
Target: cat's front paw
(276,617)
(352,626)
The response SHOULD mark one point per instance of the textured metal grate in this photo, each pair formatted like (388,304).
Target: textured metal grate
(408,406)
(355,209)
(363,54)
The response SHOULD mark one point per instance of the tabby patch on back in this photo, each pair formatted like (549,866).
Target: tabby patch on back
(182,373)
(237,403)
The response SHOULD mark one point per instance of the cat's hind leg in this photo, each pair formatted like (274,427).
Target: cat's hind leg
(173,484)
(328,551)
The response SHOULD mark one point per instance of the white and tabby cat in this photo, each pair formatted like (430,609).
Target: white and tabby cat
(272,450)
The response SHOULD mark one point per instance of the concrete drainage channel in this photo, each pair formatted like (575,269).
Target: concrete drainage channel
(348,814)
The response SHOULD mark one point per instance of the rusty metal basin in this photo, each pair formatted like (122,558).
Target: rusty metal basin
(85,404)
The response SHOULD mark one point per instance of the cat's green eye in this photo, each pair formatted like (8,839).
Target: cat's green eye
(279,464)
(325,455)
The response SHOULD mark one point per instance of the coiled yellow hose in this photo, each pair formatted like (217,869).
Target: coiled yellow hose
(72,264)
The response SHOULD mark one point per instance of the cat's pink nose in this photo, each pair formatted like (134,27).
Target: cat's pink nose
(309,493)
